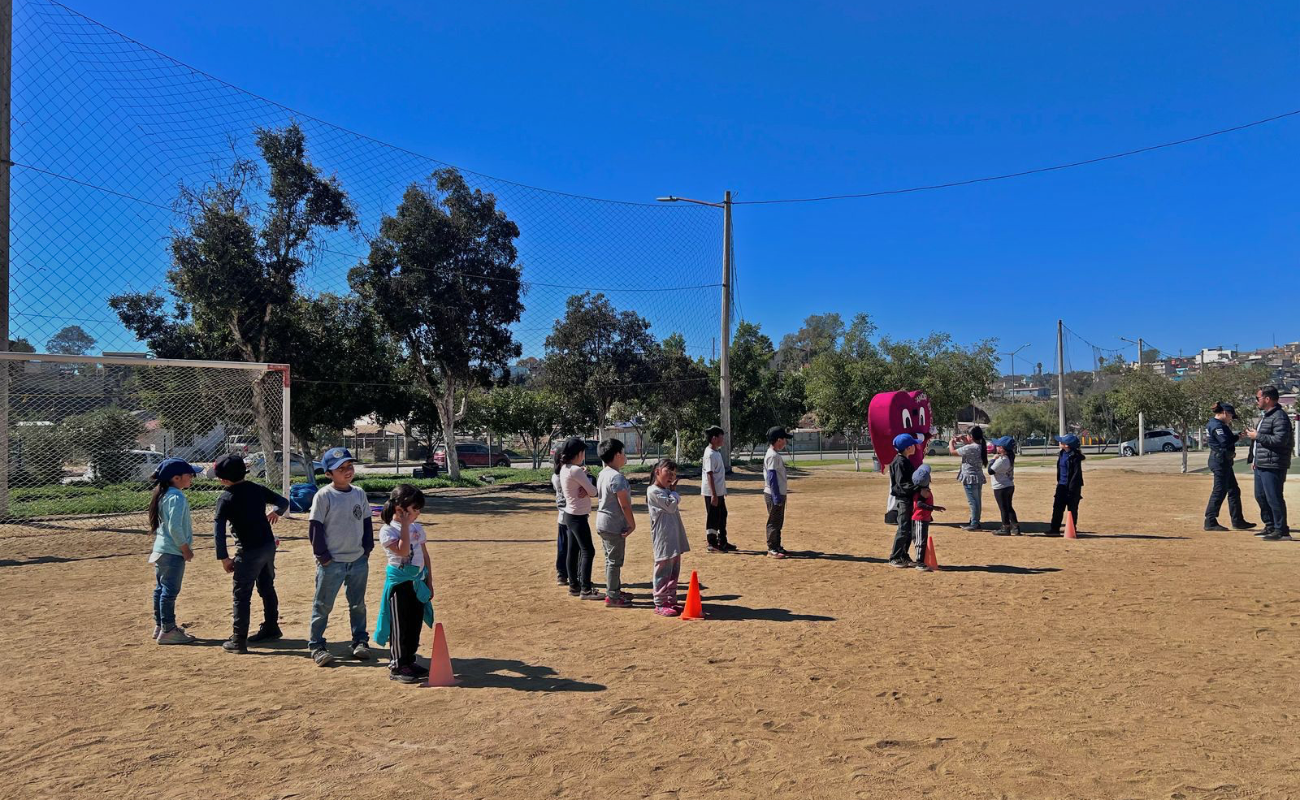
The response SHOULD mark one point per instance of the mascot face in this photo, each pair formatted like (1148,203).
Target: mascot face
(892,413)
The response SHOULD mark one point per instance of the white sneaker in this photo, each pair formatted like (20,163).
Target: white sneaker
(176,635)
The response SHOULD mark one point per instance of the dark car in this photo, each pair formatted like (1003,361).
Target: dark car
(471,454)
(593,447)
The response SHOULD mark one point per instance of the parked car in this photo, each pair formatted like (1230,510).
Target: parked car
(1162,440)
(593,447)
(256,465)
(935,447)
(471,454)
(1035,441)
(137,465)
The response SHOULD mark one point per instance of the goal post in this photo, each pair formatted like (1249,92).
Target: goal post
(86,432)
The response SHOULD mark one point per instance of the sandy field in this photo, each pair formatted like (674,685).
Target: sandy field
(1148,659)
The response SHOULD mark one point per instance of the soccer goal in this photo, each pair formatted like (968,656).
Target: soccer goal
(83,434)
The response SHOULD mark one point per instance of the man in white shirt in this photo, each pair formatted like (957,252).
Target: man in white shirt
(713,485)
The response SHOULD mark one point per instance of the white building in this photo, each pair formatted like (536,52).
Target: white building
(1215,356)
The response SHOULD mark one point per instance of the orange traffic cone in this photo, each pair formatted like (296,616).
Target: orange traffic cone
(931,558)
(440,673)
(694,608)
(1070,532)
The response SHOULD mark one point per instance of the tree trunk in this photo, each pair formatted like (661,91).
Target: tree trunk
(677,446)
(447,415)
(308,455)
(267,426)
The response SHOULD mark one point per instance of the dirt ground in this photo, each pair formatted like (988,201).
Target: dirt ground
(1147,659)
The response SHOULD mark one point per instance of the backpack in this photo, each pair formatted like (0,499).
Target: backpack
(300,497)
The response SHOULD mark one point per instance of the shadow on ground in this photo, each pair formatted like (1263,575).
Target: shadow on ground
(502,673)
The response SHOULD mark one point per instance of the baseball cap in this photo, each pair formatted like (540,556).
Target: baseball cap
(230,467)
(1069,439)
(336,457)
(1003,441)
(922,475)
(1225,408)
(905,440)
(171,467)
(776,433)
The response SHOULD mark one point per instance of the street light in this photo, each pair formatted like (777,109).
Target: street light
(1012,354)
(724,360)
(1142,418)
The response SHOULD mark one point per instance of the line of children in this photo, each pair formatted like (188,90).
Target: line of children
(614,520)
(243,506)
(776,490)
(342,536)
(713,487)
(169,519)
(667,535)
(407,599)
(578,491)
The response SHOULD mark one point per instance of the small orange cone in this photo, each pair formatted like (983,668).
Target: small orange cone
(931,558)
(1070,532)
(694,608)
(440,673)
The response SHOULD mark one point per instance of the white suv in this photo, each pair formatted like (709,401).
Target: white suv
(1156,441)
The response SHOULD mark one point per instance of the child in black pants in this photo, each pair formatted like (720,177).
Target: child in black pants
(1069,482)
(243,506)
(407,601)
(902,488)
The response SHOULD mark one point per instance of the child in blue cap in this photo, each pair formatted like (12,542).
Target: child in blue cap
(1069,482)
(169,519)
(924,513)
(342,536)
(903,489)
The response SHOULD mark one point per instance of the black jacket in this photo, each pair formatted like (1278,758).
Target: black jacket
(1274,441)
(900,477)
(1073,469)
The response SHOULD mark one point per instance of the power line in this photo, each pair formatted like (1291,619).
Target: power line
(1023,173)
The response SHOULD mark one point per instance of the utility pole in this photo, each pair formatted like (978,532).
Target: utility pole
(1142,417)
(1060,376)
(6,163)
(724,353)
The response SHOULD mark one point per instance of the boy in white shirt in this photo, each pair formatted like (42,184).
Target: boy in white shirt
(713,485)
(775,490)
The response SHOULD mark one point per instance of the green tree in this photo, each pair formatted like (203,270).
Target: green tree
(684,399)
(104,438)
(761,396)
(841,383)
(1022,419)
(246,237)
(443,276)
(599,355)
(21,345)
(821,333)
(536,416)
(952,376)
(72,340)
(1100,414)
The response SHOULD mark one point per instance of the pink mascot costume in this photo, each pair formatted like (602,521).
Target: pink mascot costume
(890,414)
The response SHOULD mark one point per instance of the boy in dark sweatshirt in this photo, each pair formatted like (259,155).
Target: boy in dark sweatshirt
(243,506)
(1069,482)
(902,488)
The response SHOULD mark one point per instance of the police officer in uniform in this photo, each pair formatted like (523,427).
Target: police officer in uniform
(1223,448)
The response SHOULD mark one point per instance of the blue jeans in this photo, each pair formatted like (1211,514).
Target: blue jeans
(329,579)
(168,570)
(975,499)
(1268,493)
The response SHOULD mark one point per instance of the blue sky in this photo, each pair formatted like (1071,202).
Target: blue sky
(634,100)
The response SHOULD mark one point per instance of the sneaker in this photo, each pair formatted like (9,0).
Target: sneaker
(1015,530)
(617,602)
(561,580)
(712,541)
(423,672)
(1265,532)
(361,651)
(592,594)
(775,554)
(157,631)
(233,645)
(322,657)
(1002,532)
(176,635)
(1278,536)
(405,674)
(626,596)
(1052,533)
(729,547)
(666,611)
(266,633)
(970,527)
(920,565)
(1243,525)
(713,548)
(1213,525)
(900,562)
(574,592)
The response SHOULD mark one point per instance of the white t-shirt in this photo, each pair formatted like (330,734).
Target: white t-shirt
(772,462)
(392,534)
(713,465)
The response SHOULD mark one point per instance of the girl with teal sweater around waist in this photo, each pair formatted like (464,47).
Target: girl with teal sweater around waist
(169,519)
(407,600)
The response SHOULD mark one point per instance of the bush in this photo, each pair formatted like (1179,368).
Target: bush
(105,437)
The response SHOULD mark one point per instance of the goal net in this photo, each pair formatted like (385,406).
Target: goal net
(83,434)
